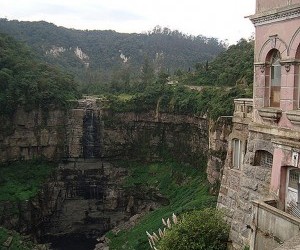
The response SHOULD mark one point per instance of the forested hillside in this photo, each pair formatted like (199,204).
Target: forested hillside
(94,56)
(26,82)
(233,66)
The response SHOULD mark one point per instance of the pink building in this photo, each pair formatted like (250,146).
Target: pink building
(261,183)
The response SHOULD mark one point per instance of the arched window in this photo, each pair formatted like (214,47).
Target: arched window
(263,158)
(275,80)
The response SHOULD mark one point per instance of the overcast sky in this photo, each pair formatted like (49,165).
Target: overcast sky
(223,19)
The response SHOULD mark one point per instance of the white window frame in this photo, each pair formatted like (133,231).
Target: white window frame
(237,153)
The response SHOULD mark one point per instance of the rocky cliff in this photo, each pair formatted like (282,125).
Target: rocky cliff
(90,131)
(87,131)
(31,134)
(218,144)
(84,197)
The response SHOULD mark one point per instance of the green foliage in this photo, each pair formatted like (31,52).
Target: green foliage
(165,49)
(18,242)
(197,230)
(233,66)
(185,187)
(211,101)
(25,82)
(22,180)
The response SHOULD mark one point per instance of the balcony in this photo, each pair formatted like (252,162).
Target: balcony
(243,108)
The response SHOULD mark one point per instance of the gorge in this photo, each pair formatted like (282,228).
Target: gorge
(85,197)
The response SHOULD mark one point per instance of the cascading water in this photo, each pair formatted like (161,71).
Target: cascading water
(91,141)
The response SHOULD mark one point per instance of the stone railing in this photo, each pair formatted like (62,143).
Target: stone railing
(271,226)
(243,110)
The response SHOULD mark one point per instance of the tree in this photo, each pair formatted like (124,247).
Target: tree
(26,82)
(147,77)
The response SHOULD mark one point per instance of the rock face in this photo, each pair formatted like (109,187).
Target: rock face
(31,215)
(148,136)
(218,144)
(33,134)
(85,197)
(94,202)
(87,131)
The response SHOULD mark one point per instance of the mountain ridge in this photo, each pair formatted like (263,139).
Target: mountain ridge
(79,51)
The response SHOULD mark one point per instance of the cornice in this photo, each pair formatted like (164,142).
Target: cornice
(276,15)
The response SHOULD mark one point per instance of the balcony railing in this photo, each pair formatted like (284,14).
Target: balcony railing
(272,227)
(243,108)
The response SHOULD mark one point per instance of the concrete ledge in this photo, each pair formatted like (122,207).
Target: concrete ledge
(274,130)
(270,114)
(276,211)
(294,116)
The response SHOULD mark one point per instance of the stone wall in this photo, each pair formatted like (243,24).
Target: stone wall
(273,227)
(242,186)
(246,182)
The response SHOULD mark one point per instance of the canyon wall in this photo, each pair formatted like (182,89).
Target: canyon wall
(32,134)
(90,131)
(84,197)
(87,131)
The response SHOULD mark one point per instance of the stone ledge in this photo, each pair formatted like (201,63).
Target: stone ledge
(294,116)
(275,15)
(274,130)
(270,114)
(275,211)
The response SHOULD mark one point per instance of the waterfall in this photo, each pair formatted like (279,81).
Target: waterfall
(91,140)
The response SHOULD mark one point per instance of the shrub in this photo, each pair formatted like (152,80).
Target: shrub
(197,230)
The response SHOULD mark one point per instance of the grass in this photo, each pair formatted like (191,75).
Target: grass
(185,187)
(18,242)
(22,180)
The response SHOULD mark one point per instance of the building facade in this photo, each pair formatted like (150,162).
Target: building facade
(261,180)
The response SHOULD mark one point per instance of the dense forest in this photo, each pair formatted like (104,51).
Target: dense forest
(24,81)
(233,66)
(96,55)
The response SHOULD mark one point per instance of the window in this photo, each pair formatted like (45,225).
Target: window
(294,179)
(292,195)
(275,79)
(263,158)
(236,153)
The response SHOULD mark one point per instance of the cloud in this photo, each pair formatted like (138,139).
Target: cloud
(216,18)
